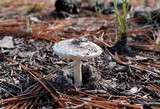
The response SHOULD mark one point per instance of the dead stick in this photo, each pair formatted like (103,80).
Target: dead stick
(117,104)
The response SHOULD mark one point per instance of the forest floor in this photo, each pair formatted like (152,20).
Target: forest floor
(33,76)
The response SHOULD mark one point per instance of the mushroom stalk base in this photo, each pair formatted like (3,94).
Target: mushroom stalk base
(77,72)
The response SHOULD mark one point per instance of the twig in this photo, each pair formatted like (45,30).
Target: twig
(24,34)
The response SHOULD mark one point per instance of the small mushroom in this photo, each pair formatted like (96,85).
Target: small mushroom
(77,50)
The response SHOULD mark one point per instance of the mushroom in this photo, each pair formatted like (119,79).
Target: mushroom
(77,50)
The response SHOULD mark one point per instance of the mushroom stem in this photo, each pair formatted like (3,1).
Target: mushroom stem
(77,72)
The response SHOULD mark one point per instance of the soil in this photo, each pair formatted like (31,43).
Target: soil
(32,76)
(121,48)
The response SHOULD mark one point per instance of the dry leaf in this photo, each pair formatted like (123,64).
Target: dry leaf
(7,42)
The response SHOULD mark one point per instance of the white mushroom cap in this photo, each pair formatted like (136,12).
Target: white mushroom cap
(77,49)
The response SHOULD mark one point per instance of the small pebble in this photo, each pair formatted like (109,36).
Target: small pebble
(112,65)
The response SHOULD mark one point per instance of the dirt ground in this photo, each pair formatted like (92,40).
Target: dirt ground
(33,76)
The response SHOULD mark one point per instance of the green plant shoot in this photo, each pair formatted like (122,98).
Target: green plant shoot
(122,19)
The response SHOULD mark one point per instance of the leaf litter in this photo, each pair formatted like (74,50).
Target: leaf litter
(33,76)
